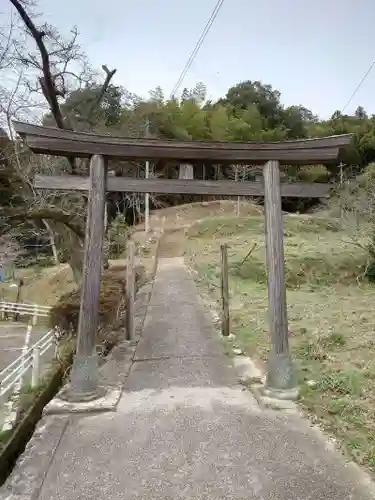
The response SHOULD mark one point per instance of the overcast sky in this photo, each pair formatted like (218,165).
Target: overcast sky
(315,52)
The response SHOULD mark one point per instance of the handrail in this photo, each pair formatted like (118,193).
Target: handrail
(6,305)
(34,310)
(14,372)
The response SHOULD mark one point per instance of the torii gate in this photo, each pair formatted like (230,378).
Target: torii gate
(280,377)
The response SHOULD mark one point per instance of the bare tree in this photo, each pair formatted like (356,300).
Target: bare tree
(47,75)
(240,173)
(9,250)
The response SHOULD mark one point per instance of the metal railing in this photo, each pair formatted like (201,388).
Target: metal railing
(33,310)
(14,374)
(25,370)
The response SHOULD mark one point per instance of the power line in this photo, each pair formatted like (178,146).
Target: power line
(198,45)
(359,86)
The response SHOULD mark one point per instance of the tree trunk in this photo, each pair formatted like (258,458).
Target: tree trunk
(76,262)
(73,251)
(52,241)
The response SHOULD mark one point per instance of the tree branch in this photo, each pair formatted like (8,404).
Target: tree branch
(48,214)
(103,90)
(108,78)
(47,82)
(48,86)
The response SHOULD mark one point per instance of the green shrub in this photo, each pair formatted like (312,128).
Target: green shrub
(117,236)
(229,226)
(307,173)
(340,382)
(315,270)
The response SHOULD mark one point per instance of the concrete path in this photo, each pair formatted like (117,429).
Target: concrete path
(184,428)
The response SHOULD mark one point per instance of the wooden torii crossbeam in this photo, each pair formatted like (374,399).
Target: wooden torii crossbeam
(179,186)
(280,378)
(67,143)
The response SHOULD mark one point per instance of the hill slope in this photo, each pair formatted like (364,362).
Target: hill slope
(331,320)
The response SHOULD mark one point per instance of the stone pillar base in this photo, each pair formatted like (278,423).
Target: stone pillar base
(282,395)
(281,381)
(84,379)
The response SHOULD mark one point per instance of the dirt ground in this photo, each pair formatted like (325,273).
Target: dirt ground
(172,243)
(177,220)
(186,215)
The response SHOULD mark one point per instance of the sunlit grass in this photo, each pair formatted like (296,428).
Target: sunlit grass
(330,312)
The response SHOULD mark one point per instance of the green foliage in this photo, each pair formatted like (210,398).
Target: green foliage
(311,270)
(228,226)
(86,107)
(340,383)
(265,98)
(330,325)
(368,177)
(314,269)
(308,173)
(318,349)
(117,236)
(250,110)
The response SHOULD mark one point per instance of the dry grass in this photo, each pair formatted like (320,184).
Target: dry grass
(177,220)
(185,215)
(41,286)
(112,305)
(147,247)
(330,315)
(46,285)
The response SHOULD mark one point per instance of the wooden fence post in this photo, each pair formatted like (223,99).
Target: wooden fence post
(84,376)
(18,298)
(225,319)
(281,380)
(130,291)
(147,200)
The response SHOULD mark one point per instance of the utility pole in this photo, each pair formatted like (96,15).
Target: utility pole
(147,195)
